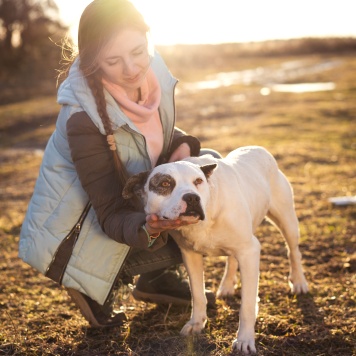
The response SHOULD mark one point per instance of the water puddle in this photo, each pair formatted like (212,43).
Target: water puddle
(302,87)
(273,78)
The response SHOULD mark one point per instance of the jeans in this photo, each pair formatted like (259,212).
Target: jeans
(143,261)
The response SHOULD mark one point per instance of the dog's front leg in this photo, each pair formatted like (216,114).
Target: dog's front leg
(248,257)
(194,264)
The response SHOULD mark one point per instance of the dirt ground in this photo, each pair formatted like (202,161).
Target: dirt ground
(313,137)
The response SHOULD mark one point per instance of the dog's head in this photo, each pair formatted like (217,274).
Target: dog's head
(173,190)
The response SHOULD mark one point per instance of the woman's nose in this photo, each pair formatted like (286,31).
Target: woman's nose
(129,68)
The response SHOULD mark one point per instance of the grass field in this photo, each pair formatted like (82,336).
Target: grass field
(313,137)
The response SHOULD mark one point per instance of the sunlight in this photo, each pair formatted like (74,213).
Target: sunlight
(193,21)
(70,12)
(201,21)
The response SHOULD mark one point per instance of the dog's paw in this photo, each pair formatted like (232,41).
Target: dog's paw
(225,291)
(245,346)
(298,285)
(192,327)
(227,287)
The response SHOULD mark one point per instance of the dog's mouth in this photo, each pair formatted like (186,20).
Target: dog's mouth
(195,213)
(191,215)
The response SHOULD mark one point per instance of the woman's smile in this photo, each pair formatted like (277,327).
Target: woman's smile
(135,78)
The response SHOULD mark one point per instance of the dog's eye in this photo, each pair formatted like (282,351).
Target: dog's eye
(198,181)
(165,184)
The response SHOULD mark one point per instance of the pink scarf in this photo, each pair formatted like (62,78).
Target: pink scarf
(143,114)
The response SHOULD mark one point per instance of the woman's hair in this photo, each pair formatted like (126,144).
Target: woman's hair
(99,21)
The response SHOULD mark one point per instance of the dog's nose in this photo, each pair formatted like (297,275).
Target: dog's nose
(191,199)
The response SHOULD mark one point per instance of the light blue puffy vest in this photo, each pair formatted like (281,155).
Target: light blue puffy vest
(59,198)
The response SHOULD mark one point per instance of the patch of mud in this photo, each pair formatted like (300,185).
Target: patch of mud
(18,174)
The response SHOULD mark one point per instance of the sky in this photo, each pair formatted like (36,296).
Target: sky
(207,21)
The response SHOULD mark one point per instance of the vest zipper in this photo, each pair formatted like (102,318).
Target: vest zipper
(174,117)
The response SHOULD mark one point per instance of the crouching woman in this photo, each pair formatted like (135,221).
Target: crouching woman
(117,119)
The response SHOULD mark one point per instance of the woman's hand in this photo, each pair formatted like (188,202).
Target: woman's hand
(182,151)
(154,225)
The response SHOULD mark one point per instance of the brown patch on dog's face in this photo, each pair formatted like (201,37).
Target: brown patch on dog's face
(162,184)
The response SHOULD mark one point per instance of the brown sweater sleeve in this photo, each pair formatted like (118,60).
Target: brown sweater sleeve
(94,163)
(180,137)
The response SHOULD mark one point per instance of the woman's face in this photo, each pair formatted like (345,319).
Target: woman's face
(125,59)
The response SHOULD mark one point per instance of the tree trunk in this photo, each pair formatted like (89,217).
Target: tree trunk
(8,40)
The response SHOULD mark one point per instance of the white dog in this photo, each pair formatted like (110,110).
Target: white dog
(230,197)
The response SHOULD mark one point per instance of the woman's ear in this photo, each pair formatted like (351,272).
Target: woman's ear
(134,185)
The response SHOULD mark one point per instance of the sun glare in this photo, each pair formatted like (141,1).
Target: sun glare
(201,21)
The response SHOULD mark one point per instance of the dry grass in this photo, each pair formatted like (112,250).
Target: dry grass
(312,136)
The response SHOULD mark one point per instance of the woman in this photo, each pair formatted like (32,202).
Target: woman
(117,119)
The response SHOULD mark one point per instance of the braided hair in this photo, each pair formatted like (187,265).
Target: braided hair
(96,88)
(99,20)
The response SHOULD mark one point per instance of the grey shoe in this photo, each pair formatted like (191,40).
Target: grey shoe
(166,287)
(97,315)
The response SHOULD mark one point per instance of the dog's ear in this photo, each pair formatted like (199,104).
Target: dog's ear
(134,185)
(208,169)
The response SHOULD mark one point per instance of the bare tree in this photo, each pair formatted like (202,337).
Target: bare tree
(31,23)
(29,55)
